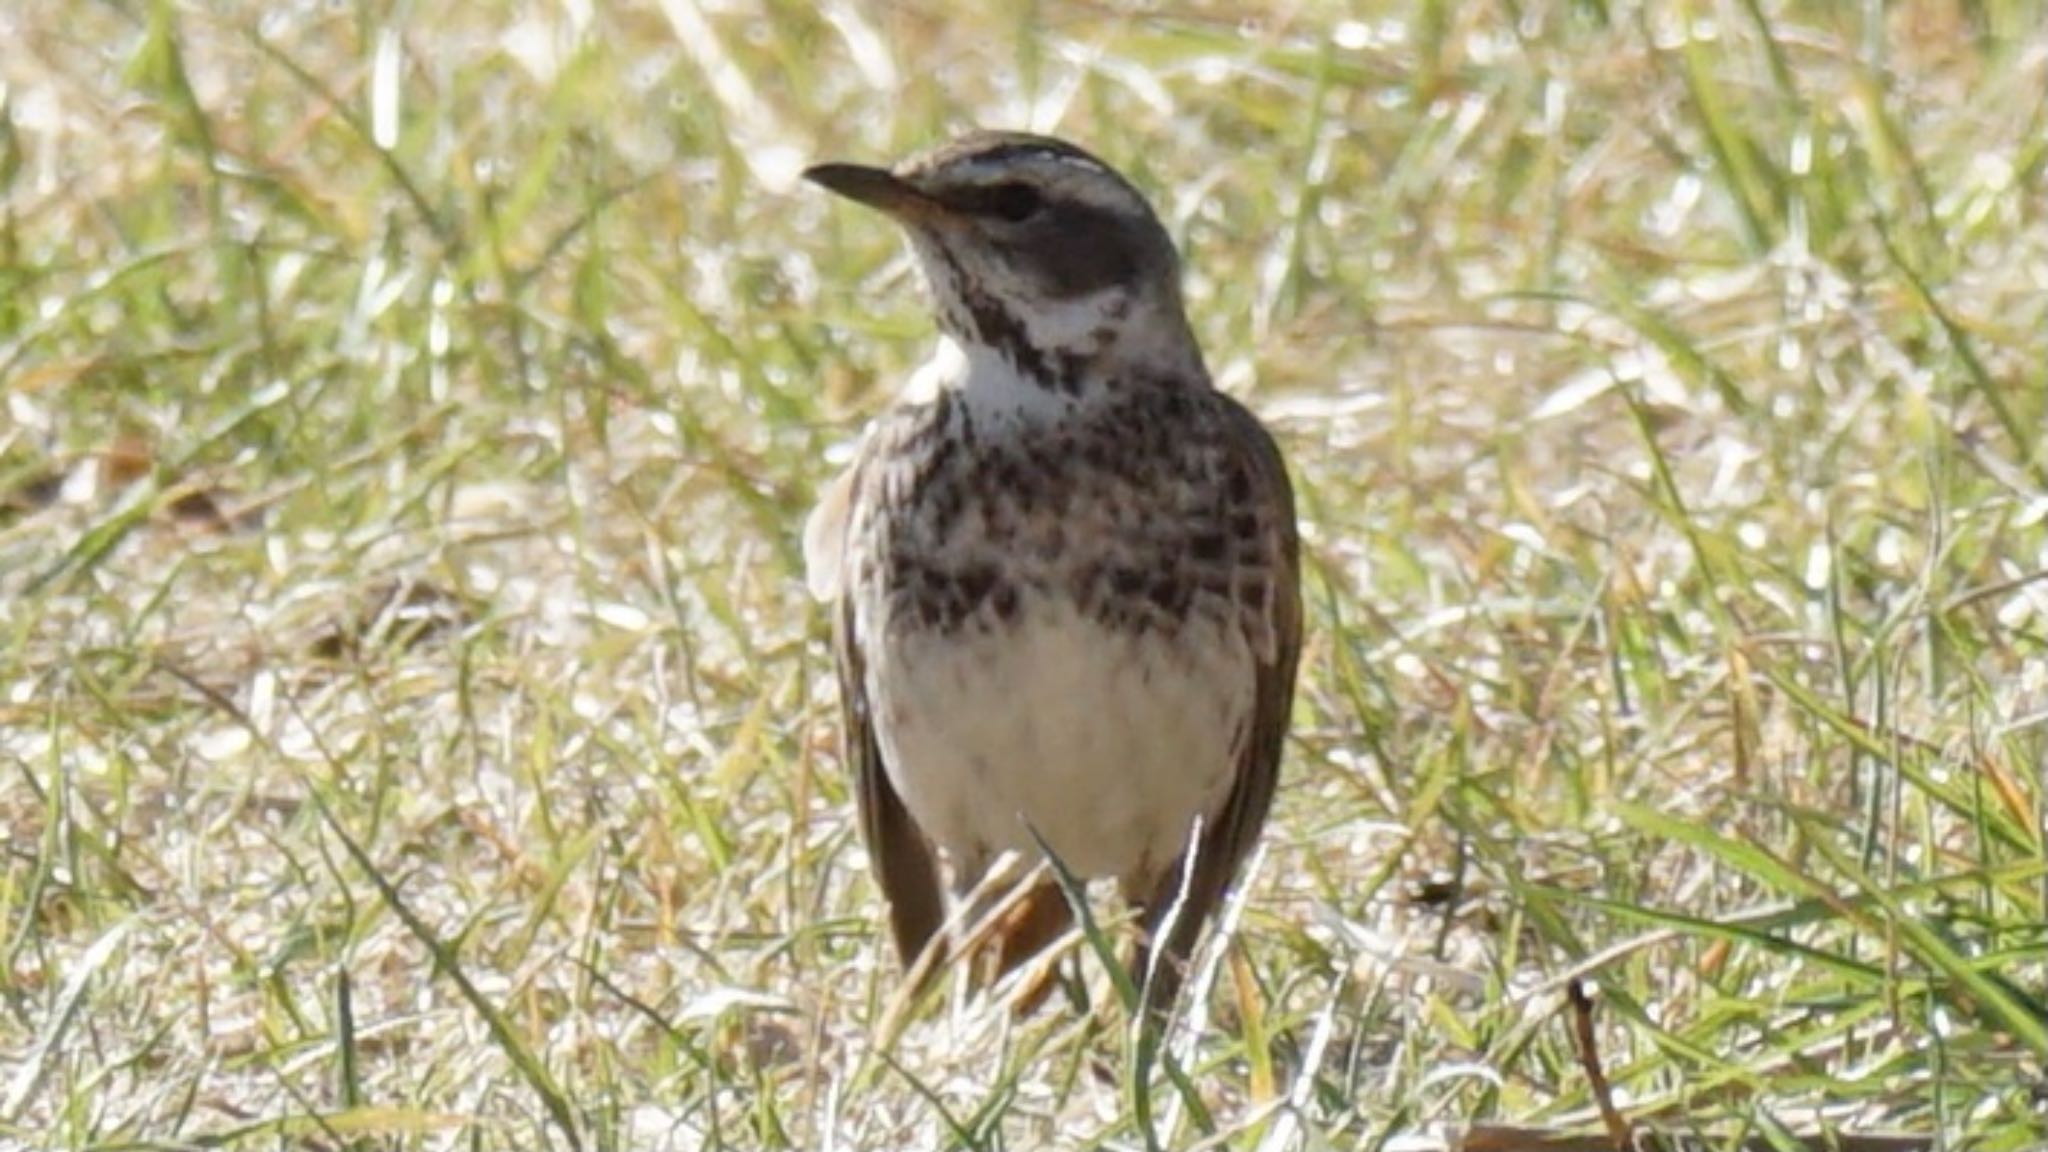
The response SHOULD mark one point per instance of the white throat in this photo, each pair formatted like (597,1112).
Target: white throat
(993,390)
(1097,331)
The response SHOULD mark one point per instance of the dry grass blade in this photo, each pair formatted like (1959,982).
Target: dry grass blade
(1619,1131)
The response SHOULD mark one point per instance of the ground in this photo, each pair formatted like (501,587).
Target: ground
(414,731)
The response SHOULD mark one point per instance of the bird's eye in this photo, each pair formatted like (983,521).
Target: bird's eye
(1014,203)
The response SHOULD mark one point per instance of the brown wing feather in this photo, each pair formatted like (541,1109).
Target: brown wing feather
(1228,839)
(902,860)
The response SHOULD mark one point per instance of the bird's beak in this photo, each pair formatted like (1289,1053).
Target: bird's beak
(877,188)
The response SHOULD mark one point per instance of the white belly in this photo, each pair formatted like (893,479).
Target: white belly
(1108,744)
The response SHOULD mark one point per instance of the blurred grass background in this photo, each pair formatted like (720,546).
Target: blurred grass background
(413,732)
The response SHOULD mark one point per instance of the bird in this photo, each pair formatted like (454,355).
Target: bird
(1063,569)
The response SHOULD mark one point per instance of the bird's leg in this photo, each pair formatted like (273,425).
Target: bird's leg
(1036,919)
(1006,920)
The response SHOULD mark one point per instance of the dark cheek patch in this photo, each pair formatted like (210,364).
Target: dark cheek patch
(1076,250)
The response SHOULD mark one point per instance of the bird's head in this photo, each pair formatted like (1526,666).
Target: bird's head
(1035,251)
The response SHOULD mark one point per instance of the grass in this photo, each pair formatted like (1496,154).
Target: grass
(413,731)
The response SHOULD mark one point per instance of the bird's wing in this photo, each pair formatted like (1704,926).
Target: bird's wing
(1266,585)
(897,850)
(825,528)
(825,538)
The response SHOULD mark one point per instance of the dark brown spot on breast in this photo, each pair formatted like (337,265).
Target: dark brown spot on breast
(974,583)
(1069,370)
(939,452)
(1170,595)
(946,506)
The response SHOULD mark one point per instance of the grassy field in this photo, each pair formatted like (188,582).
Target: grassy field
(414,732)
